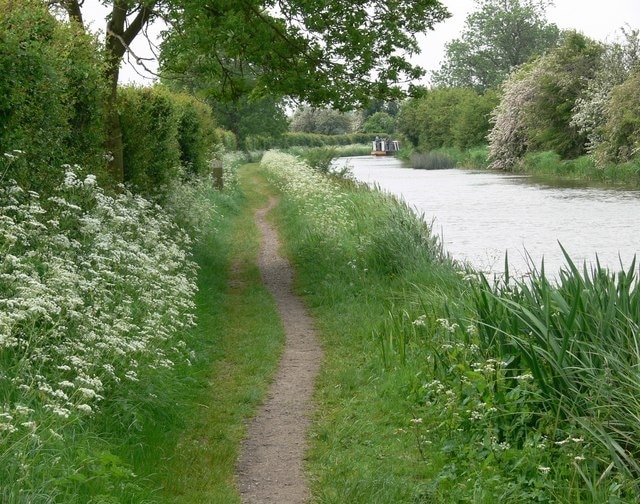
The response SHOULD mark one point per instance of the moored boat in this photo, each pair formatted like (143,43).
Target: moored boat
(385,147)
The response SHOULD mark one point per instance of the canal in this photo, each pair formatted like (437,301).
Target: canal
(482,215)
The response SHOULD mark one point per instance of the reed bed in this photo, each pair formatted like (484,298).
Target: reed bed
(578,336)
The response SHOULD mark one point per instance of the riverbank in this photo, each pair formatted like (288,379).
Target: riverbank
(436,386)
(537,164)
(427,393)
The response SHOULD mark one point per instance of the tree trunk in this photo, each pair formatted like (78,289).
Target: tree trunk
(119,35)
(114,144)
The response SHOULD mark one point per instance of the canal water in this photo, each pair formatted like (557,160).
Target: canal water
(482,215)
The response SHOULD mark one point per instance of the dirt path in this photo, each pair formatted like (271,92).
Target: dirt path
(270,468)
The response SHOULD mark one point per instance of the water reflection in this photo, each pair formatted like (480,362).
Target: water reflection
(481,215)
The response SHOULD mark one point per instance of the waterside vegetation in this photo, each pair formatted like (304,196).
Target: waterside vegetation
(440,386)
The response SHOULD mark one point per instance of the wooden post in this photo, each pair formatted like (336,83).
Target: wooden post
(218,173)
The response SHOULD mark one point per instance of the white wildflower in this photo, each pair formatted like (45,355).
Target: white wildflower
(85,408)
(87,393)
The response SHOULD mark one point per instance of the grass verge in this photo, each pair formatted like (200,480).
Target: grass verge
(241,339)
(440,388)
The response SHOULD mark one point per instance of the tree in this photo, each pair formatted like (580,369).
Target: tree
(447,117)
(565,73)
(323,121)
(497,38)
(325,51)
(536,108)
(621,131)
(380,122)
(619,60)
(245,117)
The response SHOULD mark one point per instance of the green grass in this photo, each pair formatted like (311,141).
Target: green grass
(579,339)
(449,157)
(438,387)
(362,449)
(583,168)
(242,339)
(432,161)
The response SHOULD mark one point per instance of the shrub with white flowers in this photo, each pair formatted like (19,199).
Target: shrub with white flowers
(95,289)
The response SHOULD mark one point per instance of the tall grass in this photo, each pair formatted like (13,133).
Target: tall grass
(548,163)
(579,339)
(432,161)
(442,387)
(450,157)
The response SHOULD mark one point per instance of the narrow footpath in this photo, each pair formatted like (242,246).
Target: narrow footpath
(270,467)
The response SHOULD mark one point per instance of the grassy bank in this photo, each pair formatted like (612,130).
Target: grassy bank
(539,164)
(132,350)
(549,164)
(439,387)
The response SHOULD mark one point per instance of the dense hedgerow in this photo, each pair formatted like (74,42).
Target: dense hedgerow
(96,294)
(165,136)
(257,142)
(52,88)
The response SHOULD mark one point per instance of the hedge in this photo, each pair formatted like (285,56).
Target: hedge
(51,96)
(166,135)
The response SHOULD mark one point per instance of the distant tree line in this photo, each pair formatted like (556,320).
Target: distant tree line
(564,93)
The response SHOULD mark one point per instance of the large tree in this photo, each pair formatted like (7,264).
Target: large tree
(322,51)
(498,37)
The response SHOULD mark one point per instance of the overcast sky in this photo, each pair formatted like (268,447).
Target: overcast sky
(598,19)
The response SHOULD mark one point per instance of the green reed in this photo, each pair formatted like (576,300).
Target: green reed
(578,336)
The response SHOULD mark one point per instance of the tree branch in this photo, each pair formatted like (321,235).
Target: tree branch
(139,61)
(144,14)
(71,7)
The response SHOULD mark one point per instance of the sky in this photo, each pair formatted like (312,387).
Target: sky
(597,19)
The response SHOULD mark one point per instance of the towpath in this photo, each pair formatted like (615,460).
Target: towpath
(270,468)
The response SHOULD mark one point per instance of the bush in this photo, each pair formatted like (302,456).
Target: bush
(319,158)
(226,139)
(149,120)
(621,132)
(447,117)
(316,140)
(196,134)
(165,134)
(51,96)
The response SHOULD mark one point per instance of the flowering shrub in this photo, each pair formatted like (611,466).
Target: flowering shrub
(535,112)
(319,198)
(618,62)
(95,292)
(508,139)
